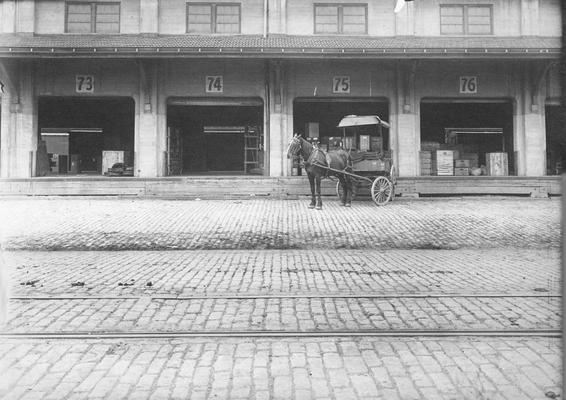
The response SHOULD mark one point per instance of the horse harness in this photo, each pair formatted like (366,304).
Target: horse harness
(312,160)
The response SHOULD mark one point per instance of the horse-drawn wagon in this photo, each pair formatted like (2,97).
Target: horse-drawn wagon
(359,158)
(363,138)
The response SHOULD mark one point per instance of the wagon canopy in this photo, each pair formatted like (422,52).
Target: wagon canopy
(358,120)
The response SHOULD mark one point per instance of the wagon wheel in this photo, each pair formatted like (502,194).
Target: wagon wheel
(340,189)
(381,190)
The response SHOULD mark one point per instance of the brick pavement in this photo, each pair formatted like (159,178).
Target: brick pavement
(498,245)
(340,368)
(275,314)
(272,272)
(109,224)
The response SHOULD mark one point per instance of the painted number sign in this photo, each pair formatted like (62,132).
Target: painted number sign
(468,84)
(84,84)
(341,84)
(214,84)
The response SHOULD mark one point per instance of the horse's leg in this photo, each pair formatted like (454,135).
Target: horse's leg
(344,190)
(318,197)
(311,181)
(348,191)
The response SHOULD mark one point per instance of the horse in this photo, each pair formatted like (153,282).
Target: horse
(315,162)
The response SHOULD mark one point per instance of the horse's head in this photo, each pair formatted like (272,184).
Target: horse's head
(294,146)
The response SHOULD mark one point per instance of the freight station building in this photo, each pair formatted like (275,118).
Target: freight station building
(192,88)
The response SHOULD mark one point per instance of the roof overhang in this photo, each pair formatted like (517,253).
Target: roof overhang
(275,46)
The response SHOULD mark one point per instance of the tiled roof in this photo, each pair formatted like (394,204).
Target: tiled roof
(283,45)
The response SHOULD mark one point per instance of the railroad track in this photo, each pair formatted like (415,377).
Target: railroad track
(292,296)
(291,333)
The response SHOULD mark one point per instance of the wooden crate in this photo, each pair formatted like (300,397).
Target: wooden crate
(461,171)
(497,164)
(443,162)
(461,163)
(111,157)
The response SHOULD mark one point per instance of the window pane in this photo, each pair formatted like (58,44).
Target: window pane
(78,18)
(326,10)
(227,19)
(351,28)
(107,9)
(479,20)
(107,18)
(452,29)
(326,19)
(200,18)
(73,27)
(104,27)
(326,28)
(451,11)
(354,10)
(228,28)
(479,11)
(452,20)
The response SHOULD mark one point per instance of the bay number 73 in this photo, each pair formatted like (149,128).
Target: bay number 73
(84,84)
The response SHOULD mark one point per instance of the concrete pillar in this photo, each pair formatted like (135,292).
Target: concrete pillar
(405,136)
(149,16)
(535,143)
(529,123)
(19,123)
(146,143)
(279,126)
(25,16)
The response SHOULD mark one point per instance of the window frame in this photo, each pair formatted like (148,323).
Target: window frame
(340,21)
(465,26)
(214,17)
(93,5)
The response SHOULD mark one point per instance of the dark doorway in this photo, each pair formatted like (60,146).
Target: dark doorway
(86,136)
(472,128)
(215,139)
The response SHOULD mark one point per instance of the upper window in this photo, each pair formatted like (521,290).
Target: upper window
(93,17)
(340,18)
(466,19)
(213,18)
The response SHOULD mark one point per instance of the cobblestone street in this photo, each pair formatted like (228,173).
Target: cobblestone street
(265,299)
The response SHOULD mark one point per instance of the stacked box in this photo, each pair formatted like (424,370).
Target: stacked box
(461,171)
(443,162)
(461,163)
(430,146)
(425,158)
(497,164)
(472,157)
